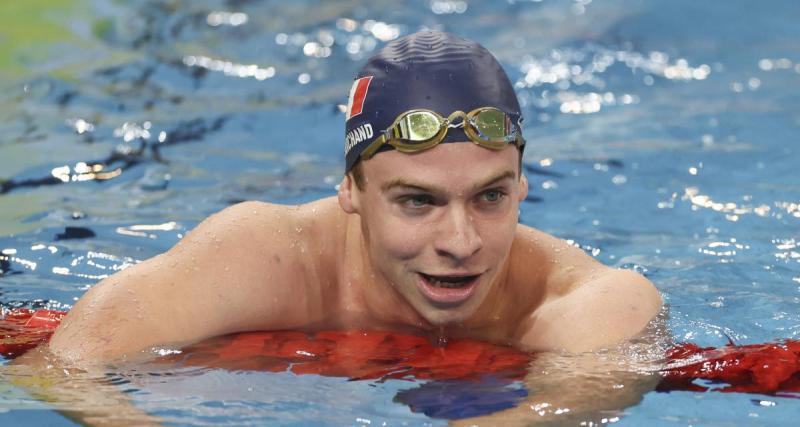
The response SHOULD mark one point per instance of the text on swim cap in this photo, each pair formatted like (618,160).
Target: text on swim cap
(357,135)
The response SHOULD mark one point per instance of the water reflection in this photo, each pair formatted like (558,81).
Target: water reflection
(124,156)
(234,19)
(141,230)
(230,68)
(725,251)
(731,209)
(767,64)
(574,68)
(445,7)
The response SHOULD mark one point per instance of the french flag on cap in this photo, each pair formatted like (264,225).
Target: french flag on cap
(358,93)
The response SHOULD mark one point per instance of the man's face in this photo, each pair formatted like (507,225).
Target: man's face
(438,224)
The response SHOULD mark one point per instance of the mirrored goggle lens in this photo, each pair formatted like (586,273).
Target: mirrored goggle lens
(493,125)
(419,126)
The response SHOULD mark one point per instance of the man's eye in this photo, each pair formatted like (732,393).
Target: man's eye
(493,196)
(417,201)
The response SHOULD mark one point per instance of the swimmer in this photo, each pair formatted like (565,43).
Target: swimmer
(423,236)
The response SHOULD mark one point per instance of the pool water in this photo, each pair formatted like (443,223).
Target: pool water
(662,136)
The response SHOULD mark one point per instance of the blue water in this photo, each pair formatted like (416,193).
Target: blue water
(663,136)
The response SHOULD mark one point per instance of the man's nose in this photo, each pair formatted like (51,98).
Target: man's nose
(458,238)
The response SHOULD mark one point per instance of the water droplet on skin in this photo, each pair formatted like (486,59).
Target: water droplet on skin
(441,340)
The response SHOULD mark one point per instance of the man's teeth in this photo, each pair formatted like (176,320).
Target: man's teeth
(449,282)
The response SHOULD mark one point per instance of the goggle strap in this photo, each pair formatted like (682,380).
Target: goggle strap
(374,146)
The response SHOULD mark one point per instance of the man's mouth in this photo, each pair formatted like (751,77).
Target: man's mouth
(451,282)
(448,289)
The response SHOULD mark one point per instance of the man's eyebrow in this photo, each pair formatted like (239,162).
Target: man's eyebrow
(497,178)
(409,184)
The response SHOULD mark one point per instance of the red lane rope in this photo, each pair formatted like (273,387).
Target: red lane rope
(754,368)
(23,329)
(771,368)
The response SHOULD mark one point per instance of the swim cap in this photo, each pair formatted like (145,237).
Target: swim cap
(430,70)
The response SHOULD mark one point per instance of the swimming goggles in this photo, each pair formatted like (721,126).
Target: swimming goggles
(418,130)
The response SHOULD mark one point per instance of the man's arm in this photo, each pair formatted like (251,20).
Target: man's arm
(239,270)
(585,304)
(84,396)
(603,310)
(587,370)
(592,387)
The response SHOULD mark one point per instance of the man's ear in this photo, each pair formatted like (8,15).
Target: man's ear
(523,187)
(348,195)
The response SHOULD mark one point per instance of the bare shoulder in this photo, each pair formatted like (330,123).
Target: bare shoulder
(586,305)
(266,233)
(245,231)
(557,265)
(243,268)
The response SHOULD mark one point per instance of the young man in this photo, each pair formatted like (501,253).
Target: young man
(423,237)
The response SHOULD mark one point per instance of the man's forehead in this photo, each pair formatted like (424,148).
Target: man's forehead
(447,166)
(418,183)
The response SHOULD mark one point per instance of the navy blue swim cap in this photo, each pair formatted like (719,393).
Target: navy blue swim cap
(432,70)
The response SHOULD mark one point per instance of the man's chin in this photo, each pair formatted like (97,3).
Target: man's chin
(447,316)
